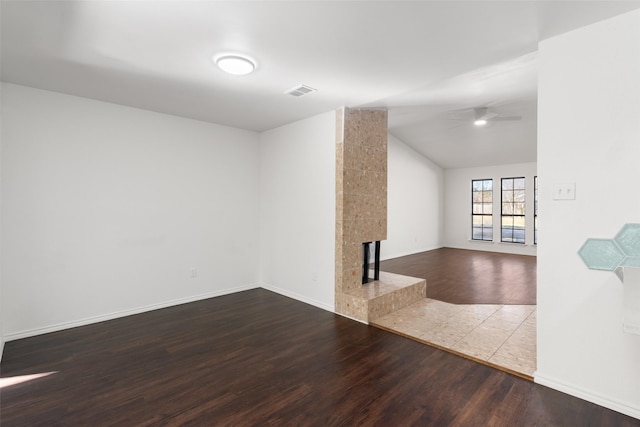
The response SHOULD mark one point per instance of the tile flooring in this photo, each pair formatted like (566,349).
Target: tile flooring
(499,335)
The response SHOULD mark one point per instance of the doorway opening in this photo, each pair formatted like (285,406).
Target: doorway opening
(480,305)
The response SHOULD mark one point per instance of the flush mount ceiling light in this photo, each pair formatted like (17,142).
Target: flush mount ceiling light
(233,63)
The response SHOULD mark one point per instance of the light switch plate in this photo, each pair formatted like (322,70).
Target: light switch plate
(564,191)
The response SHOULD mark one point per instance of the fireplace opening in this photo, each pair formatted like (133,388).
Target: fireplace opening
(366,254)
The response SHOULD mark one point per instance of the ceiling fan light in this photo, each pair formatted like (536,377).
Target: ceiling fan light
(235,64)
(480,122)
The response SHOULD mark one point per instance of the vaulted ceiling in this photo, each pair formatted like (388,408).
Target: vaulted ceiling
(429,62)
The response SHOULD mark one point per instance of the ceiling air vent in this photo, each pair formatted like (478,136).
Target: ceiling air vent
(300,90)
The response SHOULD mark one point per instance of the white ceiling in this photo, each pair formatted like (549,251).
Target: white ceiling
(429,62)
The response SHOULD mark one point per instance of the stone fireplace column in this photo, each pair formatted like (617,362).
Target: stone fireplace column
(361,195)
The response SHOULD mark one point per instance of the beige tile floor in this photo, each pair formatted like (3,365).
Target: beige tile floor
(500,335)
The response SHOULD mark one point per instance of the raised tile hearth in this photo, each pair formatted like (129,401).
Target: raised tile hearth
(381,297)
(502,336)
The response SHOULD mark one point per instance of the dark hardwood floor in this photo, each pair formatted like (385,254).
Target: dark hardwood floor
(461,276)
(256,358)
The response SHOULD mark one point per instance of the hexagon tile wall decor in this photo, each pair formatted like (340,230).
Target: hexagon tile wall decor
(629,241)
(601,254)
(622,256)
(609,254)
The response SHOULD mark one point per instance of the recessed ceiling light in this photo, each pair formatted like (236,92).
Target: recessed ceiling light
(233,63)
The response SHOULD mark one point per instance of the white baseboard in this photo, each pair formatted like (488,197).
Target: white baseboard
(306,300)
(413,252)
(297,297)
(353,318)
(588,395)
(123,313)
(499,247)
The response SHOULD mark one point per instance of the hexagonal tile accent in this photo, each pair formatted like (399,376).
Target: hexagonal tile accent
(601,254)
(622,256)
(628,238)
(631,261)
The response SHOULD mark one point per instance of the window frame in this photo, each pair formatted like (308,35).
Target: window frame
(483,216)
(513,215)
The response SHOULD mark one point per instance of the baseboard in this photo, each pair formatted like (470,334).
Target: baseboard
(413,252)
(306,300)
(297,297)
(123,313)
(588,395)
(352,318)
(499,247)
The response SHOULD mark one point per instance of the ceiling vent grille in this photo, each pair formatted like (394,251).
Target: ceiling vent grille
(300,90)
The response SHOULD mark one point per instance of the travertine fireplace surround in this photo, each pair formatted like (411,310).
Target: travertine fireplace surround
(361,216)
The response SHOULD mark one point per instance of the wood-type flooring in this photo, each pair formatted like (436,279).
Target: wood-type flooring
(460,276)
(256,358)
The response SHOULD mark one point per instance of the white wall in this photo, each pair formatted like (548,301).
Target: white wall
(297,210)
(1,328)
(457,207)
(414,202)
(589,133)
(106,209)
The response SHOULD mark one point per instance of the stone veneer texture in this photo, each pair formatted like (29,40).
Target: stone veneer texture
(361,191)
(379,298)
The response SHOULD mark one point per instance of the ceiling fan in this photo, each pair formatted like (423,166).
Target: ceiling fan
(482,116)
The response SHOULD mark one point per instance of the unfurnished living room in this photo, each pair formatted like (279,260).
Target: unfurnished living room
(322,213)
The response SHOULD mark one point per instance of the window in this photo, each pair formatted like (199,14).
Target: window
(513,196)
(482,209)
(535,210)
